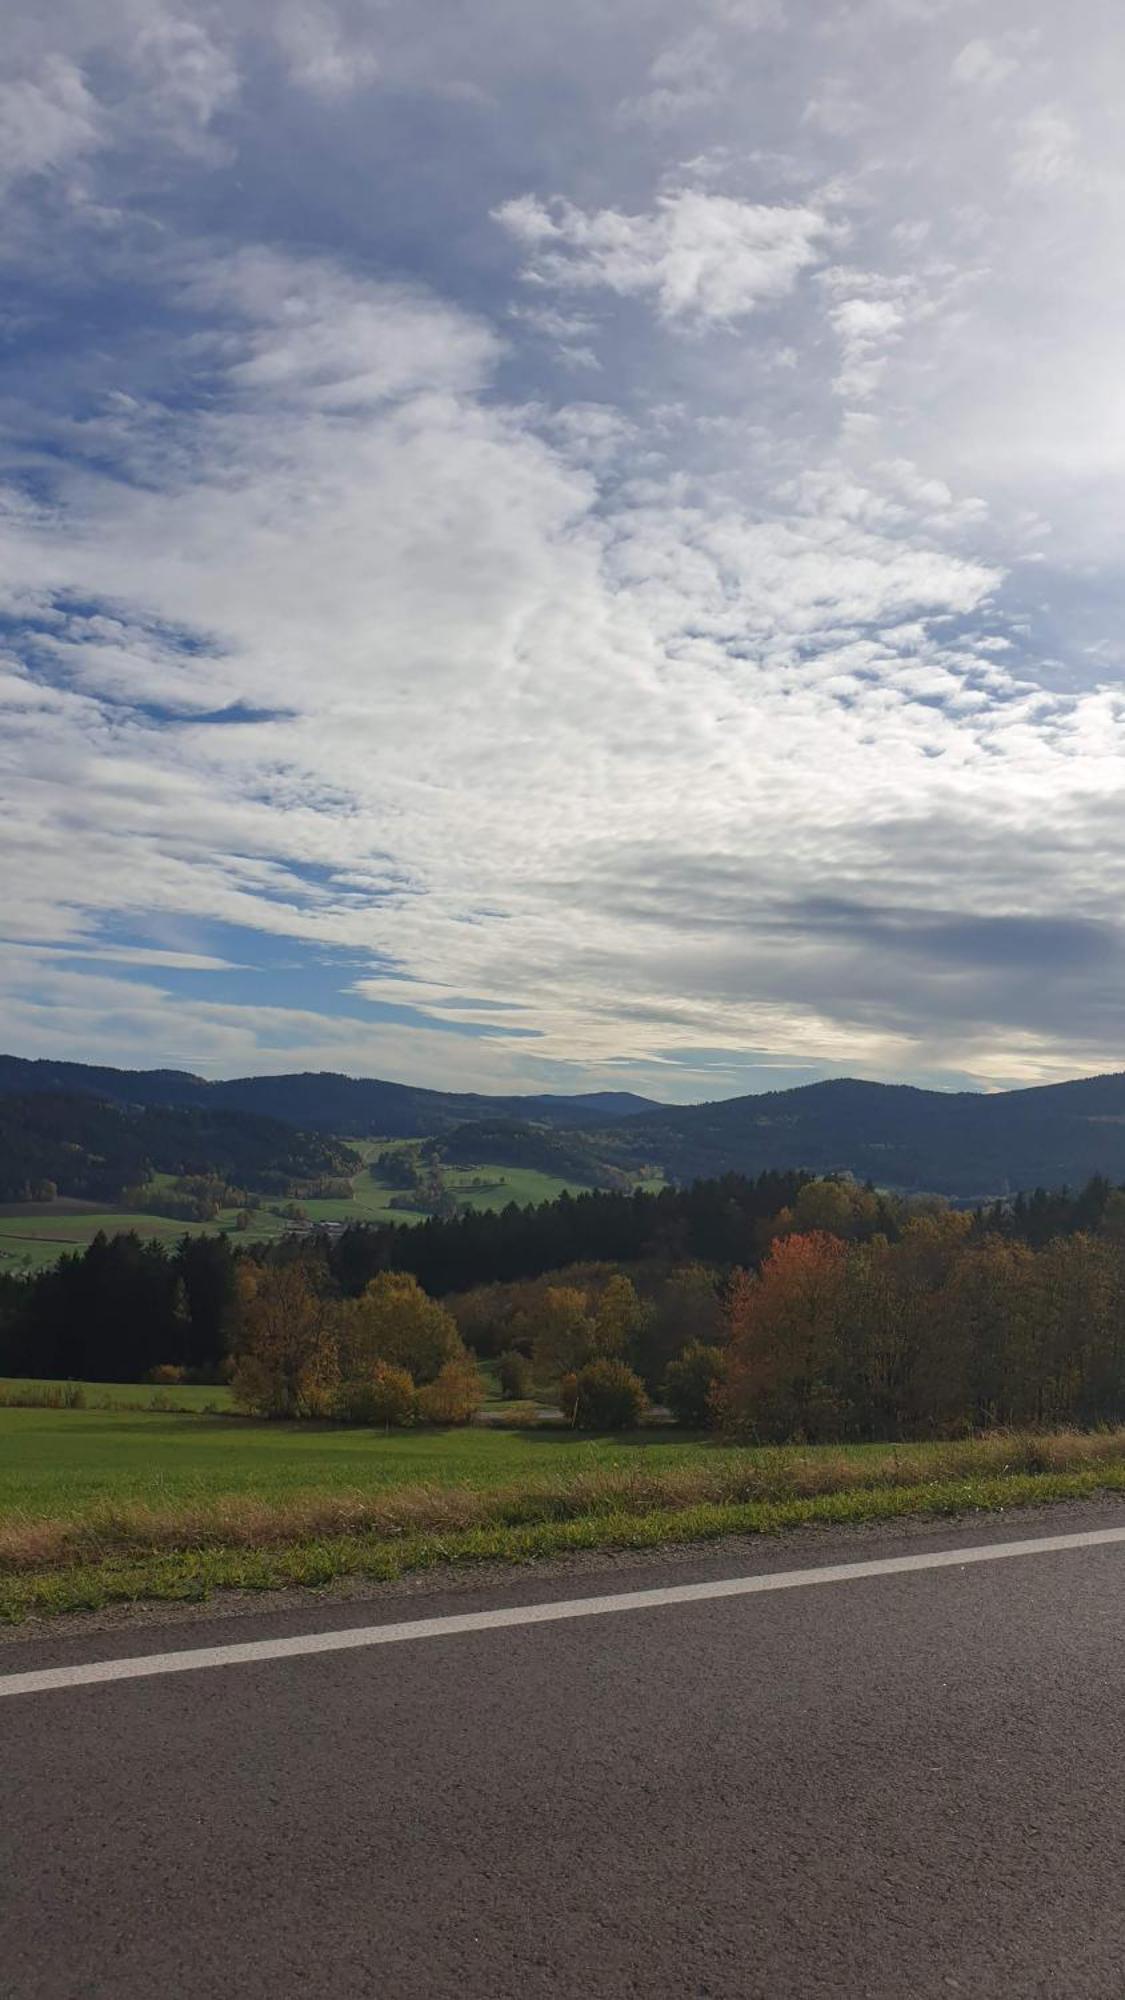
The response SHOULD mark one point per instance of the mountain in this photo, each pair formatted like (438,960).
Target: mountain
(962,1143)
(319,1101)
(93,1149)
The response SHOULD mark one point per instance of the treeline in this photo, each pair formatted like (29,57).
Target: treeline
(84,1148)
(122,1308)
(782,1308)
(946,1330)
(712,1222)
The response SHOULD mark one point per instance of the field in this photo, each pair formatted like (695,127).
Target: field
(55,1461)
(105,1506)
(34,1237)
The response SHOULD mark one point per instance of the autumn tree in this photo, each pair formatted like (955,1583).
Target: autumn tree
(287,1365)
(782,1363)
(394,1320)
(618,1318)
(564,1331)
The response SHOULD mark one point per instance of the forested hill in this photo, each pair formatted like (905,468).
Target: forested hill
(957,1143)
(965,1144)
(319,1101)
(81,1147)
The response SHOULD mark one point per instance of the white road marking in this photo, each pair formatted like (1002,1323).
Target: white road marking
(255,1650)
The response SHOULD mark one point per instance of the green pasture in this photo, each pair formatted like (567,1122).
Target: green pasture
(57,1463)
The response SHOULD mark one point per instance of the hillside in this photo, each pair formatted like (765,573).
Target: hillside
(319,1101)
(94,1151)
(958,1143)
(966,1144)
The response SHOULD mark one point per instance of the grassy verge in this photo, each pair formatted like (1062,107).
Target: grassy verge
(113,1554)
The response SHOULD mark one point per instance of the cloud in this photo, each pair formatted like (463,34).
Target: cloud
(500,691)
(1047,150)
(319,54)
(48,120)
(705,257)
(981,64)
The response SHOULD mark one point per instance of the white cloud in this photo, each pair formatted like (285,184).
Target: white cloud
(313,333)
(684,703)
(186,78)
(705,257)
(981,64)
(1047,150)
(319,53)
(47,121)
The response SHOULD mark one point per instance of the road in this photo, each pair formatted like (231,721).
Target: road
(903,1784)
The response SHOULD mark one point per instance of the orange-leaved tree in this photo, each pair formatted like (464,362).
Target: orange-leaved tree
(782,1367)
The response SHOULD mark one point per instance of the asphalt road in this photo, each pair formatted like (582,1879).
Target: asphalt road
(899,1785)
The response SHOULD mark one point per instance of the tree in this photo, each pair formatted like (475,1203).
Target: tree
(691,1384)
(784,1351)
(686,1308)
(618,1318)
(564,1331)
(288,1364)
(839,1207)
(394,1320)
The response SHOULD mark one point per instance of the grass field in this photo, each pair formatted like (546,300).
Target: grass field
(98,1507)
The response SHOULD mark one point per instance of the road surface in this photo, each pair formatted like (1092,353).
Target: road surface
(903,1782)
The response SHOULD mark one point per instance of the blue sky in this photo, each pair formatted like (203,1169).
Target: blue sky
(549,557)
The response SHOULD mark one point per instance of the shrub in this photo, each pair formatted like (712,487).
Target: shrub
(608,1396)
(385,1395)
(691,1382)
(42,1396)
(455,1396)
(514,1370)
(168,1375)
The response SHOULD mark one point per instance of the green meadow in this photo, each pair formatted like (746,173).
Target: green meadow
(103,1506)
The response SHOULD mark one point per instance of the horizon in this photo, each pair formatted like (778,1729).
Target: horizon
(562,563)
(469,1089)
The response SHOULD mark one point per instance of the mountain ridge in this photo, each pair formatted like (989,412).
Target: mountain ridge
(967,1144)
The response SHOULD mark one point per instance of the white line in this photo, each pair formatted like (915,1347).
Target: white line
(537,1614)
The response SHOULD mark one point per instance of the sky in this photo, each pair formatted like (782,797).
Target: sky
(564,549)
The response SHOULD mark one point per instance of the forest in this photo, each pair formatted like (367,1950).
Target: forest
(58,1143)
(785,1308)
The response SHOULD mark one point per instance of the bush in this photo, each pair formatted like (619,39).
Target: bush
(455,1396)
(690,1385)
(607,1397)
(167,1376)
(514,1370)
(385,1395)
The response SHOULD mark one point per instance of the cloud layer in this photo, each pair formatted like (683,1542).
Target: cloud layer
(537,560)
